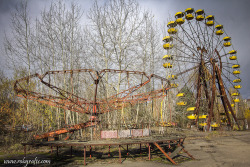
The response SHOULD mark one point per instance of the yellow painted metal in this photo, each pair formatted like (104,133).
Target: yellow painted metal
(219,27)
(199,17)
(236,100)
(166,124)
(162,104)
(168,46)
(237,86)
(227,38)
(179,14)
(191,108)
(215,125)
(167,39)
(223,120)
(235,94)
(237,80)
(193,116)
(167,65)
(219,32)
(172,24)
(181,103)
(189,10)
(232,105)
(172,30)
(210,17)
(202,124)
(199,12)
(172,77)
(236,72)
(180,21)
(233,57)
(227,44)
(231,113)
(161,110)
(174,85)
(202,116)
(189,16)
(180,95)
(232,52)
(210,23)
(168,57)
(236,66)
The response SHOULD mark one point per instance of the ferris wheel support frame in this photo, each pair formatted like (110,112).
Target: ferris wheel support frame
(224,98)
(201,82)
(223,94)
(213,93)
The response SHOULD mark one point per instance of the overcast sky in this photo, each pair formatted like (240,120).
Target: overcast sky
(233,14)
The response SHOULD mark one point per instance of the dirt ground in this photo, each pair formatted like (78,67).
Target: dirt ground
(213,149)
(230,149)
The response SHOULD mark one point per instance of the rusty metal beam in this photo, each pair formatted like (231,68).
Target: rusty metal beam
(120,154)
(213,95)
(221,86)
(225,101)
(168,157)
(71,102)
(222,95)
(198,95)
(65,130)
(84,154)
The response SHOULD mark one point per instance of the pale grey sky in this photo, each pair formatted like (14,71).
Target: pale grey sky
(233,14)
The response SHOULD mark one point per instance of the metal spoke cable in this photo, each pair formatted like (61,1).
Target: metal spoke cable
(189,39)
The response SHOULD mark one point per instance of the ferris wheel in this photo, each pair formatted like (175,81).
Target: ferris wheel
(204,67)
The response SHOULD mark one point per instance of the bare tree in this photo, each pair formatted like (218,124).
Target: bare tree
(18,44)
(115,29)
(124,37)
(62,40)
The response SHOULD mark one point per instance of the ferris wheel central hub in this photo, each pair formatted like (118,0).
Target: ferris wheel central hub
(203,50)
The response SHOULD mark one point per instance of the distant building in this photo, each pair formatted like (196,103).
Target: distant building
(247,103)
(247,111)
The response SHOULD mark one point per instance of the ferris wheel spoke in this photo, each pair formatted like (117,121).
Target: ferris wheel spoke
(186,73)
(190,74)
(186,61)
(228,91)
(228,78)
(226,69)
(228,64)
(199,29)
(191,28)
(192,77)
(189,39)
(196,32)
(210,38)
(190,48)
(218,43)
(184,57)
(187,70)
(190,56)
(202,34)
(205,42)
(206,37)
